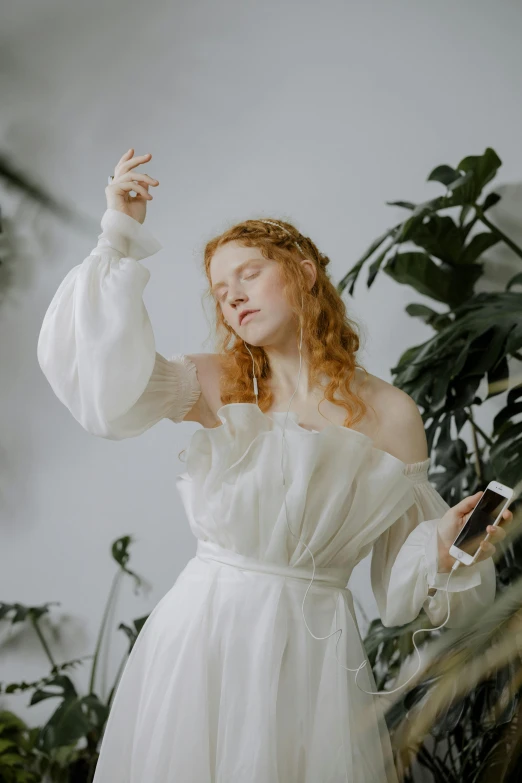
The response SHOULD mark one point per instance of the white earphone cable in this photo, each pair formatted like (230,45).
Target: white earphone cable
(340,630)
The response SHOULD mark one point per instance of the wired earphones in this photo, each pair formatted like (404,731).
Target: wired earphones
(338,630)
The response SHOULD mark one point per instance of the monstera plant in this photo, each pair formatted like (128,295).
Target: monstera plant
(463,720)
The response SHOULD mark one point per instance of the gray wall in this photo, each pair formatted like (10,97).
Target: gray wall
(317,113)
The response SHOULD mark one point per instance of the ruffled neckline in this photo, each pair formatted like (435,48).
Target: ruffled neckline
(277,418)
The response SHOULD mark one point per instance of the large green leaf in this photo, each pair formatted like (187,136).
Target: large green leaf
(65,690)
(72,721)
(477,170)
(430,317)
(406,231)
(478,244)
(470,320)
(441,237)
(444,373)
(375,267)
(451,285)
(351,277)
(483,167)
(506,451)
(443,174)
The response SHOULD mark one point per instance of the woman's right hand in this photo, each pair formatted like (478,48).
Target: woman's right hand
(125,179)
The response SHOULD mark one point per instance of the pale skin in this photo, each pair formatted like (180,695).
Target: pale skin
(258,286)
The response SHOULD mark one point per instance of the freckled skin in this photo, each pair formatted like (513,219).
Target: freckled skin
(257,286)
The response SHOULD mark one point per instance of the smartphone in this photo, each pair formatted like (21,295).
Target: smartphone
(488,511)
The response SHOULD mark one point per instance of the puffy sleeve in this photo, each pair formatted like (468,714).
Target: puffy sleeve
(404,564)
(96,345)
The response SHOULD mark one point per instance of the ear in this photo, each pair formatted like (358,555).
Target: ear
(310,271)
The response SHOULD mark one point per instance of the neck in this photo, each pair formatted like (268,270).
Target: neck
(284,365)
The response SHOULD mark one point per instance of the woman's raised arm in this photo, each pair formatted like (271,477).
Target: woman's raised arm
(96,345)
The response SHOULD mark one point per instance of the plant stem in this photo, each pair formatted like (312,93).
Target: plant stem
(488,440)
(509,242)
(42,639)
(117,679)
(478,463)
(92,770)
(112,593)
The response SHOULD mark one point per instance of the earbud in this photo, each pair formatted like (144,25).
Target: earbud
(254,378)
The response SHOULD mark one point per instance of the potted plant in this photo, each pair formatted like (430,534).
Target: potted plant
(65,749)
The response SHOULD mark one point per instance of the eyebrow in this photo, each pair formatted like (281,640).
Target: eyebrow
(238,268)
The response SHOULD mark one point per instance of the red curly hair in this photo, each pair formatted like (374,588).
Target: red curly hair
(331,338)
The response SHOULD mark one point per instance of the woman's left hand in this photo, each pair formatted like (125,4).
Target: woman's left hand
(453,521)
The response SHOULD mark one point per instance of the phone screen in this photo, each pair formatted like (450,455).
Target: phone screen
(485,513)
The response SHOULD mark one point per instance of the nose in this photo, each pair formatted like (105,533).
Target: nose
(236,300)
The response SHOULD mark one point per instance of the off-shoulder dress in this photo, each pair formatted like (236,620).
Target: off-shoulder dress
(224,683)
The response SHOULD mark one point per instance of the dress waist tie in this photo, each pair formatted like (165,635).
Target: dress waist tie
(327,576)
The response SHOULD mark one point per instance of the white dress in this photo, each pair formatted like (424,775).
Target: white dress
(224,683)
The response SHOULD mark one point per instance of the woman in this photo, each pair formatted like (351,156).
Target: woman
(226,683)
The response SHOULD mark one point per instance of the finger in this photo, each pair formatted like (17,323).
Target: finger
(138,176)
(126,155)
(496,532)
(487,548)
(482,555)
(127,186)
(127,165)
(468,504)
(504,523)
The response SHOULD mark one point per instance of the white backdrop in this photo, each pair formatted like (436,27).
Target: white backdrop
(316,113)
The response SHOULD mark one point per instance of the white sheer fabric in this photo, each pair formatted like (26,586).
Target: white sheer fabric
(225,684)
(405,560)
(96,345)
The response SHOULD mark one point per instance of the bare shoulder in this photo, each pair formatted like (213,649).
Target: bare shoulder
(401,428)
(208,369)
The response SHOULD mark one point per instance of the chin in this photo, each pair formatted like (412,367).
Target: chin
(251,336)
(261,338)
(261,334)
(258,342)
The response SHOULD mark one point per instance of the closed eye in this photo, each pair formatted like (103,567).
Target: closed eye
(222,298)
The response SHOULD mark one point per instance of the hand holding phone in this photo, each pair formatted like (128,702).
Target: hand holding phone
(469,531)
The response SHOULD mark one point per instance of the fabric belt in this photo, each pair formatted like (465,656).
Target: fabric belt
(327,576)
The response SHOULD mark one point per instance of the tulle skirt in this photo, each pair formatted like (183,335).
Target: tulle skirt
(225,684)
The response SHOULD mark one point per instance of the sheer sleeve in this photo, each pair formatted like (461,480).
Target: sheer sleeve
(96,345)
(404,564)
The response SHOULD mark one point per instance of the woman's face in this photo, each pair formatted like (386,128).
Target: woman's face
(242,279)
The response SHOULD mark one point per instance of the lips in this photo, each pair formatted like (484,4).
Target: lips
(247,315)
